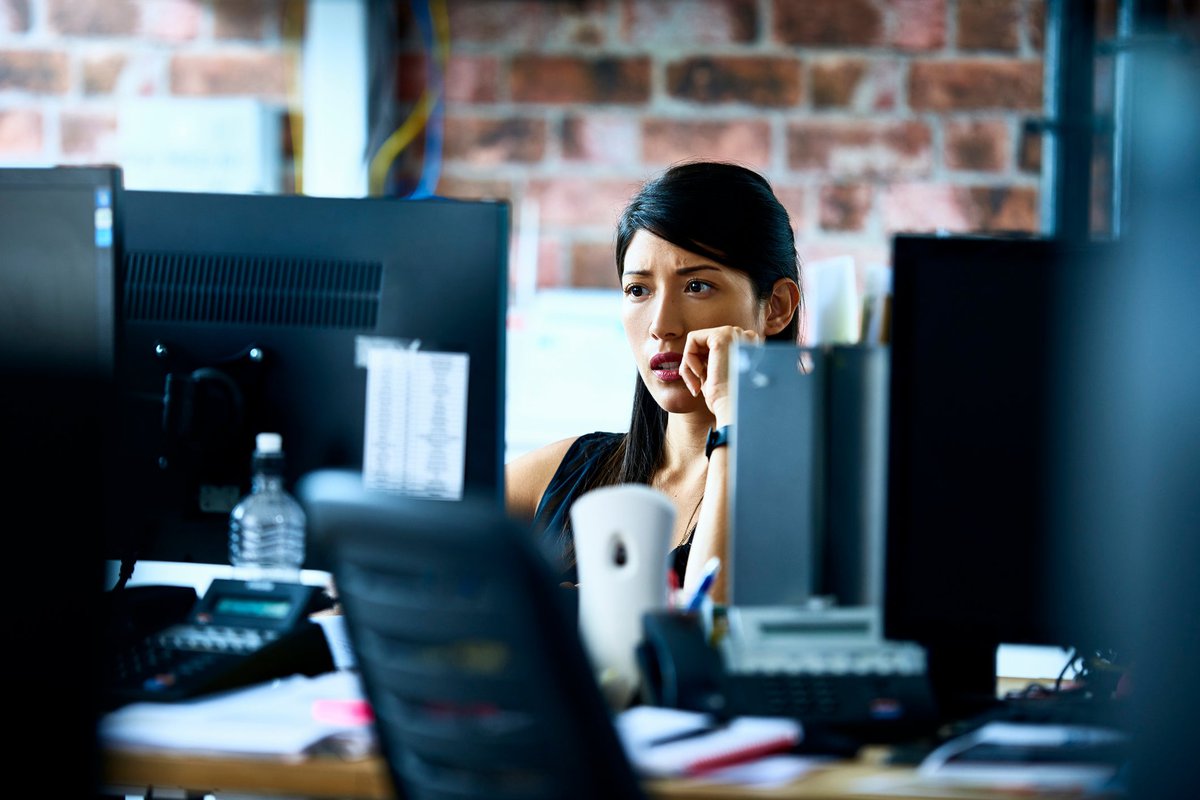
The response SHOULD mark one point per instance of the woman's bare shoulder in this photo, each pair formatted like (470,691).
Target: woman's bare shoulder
(527,476)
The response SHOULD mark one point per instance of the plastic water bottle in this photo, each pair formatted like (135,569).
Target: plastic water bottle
(266,527)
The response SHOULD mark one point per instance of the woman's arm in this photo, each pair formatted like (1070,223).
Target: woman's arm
(705,369)
(526,478)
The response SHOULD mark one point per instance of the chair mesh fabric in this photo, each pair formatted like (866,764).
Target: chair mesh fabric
(469,657)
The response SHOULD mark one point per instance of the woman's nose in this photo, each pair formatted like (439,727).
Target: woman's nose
(666,322)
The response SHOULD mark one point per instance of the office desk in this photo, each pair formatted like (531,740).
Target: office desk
(137,772)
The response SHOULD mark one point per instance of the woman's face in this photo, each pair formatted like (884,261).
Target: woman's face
(670,291)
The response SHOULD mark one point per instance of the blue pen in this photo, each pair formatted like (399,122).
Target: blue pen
(711,568)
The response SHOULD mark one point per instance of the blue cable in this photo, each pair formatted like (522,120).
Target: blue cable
(435,125)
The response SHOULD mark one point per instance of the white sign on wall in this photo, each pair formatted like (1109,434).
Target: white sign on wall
(229,145)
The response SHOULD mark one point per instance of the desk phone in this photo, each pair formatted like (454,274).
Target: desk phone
(238,633)
(828,668)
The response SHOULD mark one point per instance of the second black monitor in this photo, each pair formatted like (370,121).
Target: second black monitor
(250,313)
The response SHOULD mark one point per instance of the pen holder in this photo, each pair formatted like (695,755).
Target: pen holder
(622,537)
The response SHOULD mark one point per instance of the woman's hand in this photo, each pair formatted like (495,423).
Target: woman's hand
(705,366)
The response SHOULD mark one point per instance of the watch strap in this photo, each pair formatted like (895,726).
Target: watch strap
(717,437)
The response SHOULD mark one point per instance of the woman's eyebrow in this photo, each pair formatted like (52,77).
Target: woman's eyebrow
(680,271)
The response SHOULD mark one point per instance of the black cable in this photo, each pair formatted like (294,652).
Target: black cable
(1070,661)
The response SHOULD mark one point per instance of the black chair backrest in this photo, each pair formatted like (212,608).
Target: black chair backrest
(473,666)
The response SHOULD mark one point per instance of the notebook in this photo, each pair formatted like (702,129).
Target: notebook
(666,742)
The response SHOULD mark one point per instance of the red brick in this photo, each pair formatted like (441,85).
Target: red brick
(472,79)
(856,83)
(965,85)
(89,135)
(262,74)
(528,23)
(835,82)
(551,273)
(925,207)
(919,24)
(172,20)
(977,145)
(34,71)
(771,82)
(14,16)
(601,139)
(856,149)
(468,188)
(794,199)
(581,201)
(845,207)
(248,19)
(928,206)
(665,141)
(1005,208)
(1036,23)
(100,73)
(20,133)
(468,79)
(107,18)
(866,251)
(565,79)
(828,22)
(989,24)
(485,141)
(1029,156)
(593,265)
(697,22)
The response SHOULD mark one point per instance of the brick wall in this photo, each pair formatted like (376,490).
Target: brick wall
(66,65)
(868,116)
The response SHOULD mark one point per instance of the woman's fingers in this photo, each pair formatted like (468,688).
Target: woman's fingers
(705,364)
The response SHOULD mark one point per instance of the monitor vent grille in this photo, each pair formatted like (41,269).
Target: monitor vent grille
(232,289)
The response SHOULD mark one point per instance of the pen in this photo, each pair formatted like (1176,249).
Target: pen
(711,568)
(672,587)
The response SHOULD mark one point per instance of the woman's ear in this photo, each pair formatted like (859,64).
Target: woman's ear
(781,305)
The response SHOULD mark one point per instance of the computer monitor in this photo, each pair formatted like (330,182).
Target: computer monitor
(57,295)
(252,313)
(973,556)
(58,254)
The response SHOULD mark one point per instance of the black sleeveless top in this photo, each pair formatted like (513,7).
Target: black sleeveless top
(572,479)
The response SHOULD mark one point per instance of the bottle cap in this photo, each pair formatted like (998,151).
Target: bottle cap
(268,443)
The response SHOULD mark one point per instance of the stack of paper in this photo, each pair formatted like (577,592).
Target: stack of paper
(291,717)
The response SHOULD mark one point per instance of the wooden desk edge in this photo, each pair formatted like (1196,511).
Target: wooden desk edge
(365,778)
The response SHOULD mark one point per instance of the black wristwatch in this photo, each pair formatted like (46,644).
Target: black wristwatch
(717,437)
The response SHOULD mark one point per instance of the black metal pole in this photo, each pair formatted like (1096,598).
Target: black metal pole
(1071,40)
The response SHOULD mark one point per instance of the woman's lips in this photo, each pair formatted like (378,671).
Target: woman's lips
(665,366)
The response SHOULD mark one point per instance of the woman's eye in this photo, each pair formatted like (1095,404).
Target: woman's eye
(635,290)
(698,286)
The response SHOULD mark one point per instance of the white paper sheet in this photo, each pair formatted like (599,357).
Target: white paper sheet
(291,718)
(415,441)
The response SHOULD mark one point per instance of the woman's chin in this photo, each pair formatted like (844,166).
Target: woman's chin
(676,399)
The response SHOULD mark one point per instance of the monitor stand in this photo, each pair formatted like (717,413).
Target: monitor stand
(963,677)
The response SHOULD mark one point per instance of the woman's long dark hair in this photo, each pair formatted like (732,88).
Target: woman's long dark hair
(722,211)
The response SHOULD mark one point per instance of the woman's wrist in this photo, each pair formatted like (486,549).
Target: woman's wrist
(718,437)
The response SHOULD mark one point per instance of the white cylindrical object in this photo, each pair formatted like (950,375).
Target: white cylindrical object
(622,537)
(833,299)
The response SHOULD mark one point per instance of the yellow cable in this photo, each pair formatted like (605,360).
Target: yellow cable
(293,31)
(400,138)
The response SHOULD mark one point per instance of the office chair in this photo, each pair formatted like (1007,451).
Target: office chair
(473,666)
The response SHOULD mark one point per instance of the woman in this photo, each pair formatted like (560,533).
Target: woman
(705,256)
